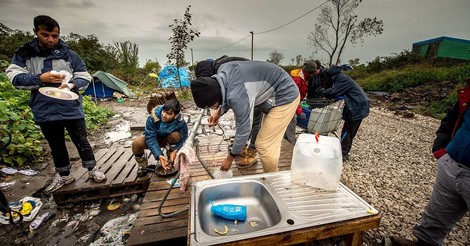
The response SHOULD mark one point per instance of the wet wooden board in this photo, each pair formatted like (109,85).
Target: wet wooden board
(152,229)
(120,169)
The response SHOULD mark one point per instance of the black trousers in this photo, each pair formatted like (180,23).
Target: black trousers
(350,129)
(55,136)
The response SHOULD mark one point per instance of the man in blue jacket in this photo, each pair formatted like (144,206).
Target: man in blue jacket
(356,102)
(450,197)
(32,68)
(242,86)
(165,127)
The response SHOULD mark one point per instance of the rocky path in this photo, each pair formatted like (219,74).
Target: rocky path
(392,167)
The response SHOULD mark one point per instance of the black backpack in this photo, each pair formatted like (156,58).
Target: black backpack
(5,208)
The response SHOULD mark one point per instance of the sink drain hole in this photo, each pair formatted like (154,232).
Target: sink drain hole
(290,222)
(254,222)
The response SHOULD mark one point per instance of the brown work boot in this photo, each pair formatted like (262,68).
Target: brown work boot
(142,161)
(247,158)
(245,161)
(252,152)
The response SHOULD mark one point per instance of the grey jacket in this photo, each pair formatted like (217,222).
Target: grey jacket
(246,84)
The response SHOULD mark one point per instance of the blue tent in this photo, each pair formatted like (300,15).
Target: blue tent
(168,77)
(105,84)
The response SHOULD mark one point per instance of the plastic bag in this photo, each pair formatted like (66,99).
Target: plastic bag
(219,174)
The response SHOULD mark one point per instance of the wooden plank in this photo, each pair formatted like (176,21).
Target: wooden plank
(315,233)
(79,174)
(149,220)
(165,210)
(113,163)
(164,238)
(158,195)
(168,202)
(83,183)
(131,166)
(117,168)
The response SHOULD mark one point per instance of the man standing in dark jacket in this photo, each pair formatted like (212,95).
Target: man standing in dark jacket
(356,103)
(33,67)
(450,197)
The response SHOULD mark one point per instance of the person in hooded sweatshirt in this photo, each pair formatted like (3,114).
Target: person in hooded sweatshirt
(241,86)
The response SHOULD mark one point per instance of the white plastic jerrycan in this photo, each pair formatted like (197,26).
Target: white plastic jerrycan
(317,163)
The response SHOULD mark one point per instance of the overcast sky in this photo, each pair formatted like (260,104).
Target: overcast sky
(224,22)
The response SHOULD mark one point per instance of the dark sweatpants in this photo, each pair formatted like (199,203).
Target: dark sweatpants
(350,129)
(55,136)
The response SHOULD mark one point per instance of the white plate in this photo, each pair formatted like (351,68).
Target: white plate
(62,94)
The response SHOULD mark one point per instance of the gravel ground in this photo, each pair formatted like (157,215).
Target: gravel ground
(391,166)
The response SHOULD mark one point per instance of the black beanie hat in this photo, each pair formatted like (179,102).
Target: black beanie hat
(204,69)
(206,91)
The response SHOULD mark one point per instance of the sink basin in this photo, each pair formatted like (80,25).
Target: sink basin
(262,210)
(274,204)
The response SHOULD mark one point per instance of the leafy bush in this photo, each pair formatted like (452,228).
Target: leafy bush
(16,117)
(398,79)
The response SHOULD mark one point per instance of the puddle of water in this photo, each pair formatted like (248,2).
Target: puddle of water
(122,131)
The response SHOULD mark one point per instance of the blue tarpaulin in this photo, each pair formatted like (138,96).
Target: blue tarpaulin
(168,77)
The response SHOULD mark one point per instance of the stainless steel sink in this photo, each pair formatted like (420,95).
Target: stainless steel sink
(262,210)
(274,204)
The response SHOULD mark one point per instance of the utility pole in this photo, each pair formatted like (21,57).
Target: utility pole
(192,61)
(251,45)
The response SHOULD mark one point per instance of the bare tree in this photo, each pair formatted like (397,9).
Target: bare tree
(299,60)
(182,36)
(275,57)
(337,25)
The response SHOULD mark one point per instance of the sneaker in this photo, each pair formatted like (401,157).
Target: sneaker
(142,161)
(59,181)
(97,175)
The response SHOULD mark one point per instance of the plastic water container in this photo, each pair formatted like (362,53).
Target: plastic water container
(317,164)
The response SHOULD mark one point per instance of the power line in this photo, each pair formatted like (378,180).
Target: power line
(231,43)
(310,11)
(293,19)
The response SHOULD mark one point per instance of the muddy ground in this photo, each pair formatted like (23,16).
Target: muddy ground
(73,224)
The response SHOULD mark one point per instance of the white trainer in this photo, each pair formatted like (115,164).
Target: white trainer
(59,181)
(97,175)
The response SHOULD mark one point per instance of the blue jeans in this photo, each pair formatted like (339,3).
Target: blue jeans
(449,201)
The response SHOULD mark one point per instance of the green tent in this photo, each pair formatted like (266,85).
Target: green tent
(443,47)
(105,84)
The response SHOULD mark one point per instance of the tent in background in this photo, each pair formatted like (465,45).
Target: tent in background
(105,84)
(168,77)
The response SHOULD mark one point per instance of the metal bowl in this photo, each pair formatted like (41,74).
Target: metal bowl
(161,172)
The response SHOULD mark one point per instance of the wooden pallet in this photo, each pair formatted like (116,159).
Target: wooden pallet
(121,173)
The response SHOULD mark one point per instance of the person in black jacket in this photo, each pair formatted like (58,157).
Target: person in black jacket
(450,197)
(356,102)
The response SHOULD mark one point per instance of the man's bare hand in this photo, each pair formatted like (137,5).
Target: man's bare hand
(214,118)
(227,163)
(52,77)
(165,163)
(173,156)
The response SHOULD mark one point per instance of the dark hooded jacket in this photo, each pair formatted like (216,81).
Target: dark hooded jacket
(356,102)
